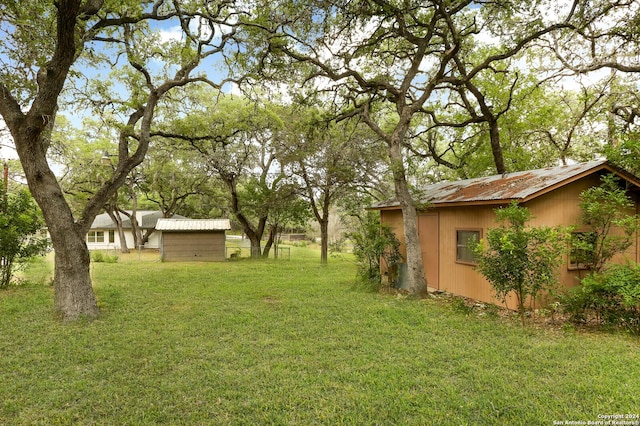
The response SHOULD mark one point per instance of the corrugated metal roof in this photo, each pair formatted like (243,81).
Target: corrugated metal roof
(519,186)
(193,225)
(146,220)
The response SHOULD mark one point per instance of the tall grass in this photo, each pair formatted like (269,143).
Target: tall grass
(292,342)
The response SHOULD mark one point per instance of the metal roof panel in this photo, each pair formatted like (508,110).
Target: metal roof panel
(497,188)
(193,225)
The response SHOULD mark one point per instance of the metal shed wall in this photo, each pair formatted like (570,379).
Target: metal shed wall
(205,246)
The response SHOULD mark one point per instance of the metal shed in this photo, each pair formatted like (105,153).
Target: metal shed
(192,239)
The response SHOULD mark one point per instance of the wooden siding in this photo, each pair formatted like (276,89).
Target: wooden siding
(461,278)
(428,225)
(393,219)
(193,246)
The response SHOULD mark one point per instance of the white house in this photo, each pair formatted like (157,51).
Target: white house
(103,234)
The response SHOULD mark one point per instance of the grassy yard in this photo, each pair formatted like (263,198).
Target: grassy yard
(292,342)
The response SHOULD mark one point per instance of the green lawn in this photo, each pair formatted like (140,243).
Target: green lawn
(292,342)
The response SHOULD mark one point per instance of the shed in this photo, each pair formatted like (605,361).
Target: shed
(192,239)
(460,209)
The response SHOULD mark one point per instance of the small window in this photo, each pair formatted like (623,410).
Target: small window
(112,237)
(581,250)
(464,254)
(95,237)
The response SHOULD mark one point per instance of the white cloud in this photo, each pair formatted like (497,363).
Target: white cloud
(171,34)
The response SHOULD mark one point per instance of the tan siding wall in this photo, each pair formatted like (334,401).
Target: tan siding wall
(428,226)
(193,246)
(460,278)
(393,219)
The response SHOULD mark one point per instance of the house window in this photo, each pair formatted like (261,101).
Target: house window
(464,254)
(95,237)
(581,250)
(112,237)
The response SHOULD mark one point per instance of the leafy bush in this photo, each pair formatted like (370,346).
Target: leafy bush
(374,245)
(518,258)
(604,208)
(101,257)
(337,246)
(608,298)
(610,294)
(20,222)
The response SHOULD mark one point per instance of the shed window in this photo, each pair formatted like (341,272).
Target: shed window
(581,251)
(95,237)
(464,254)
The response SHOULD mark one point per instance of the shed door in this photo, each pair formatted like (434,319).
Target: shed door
(429,232)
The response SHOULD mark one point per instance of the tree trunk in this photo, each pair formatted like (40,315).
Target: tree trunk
(496,148)
(114,214)
(74,297)
(256,250)
(269,243)
(253,234)
(416,279)
(324,239)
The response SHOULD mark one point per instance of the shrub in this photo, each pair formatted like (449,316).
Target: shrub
(101,257)
(610,294)
(604,208)
(518,258)
(20,221)
(374,245)
(609,298)
(337,246)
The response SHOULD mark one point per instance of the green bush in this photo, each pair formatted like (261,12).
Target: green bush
(101,257)
(609,298)
(20,239)
(374,245)
(604,208)
(520,259)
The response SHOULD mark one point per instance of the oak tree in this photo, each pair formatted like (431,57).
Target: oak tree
(384,60)
(46,45)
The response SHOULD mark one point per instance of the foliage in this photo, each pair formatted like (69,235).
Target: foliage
(625,152)
(610,298)
(100,257)
(20,221)
(609,294)
(235,138)
(331,161)
(518,258)
(374,246)
(606,212)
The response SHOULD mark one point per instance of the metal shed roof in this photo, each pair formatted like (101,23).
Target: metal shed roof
(193,225)
(146,220)
(518,186)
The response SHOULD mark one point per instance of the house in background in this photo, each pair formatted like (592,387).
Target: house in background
(103,234)
(462,209)
(192,239)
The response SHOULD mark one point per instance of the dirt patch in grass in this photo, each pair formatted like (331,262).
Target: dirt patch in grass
(551,318)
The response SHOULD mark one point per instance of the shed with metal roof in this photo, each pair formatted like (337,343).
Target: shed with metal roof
(193,239)
(452,212)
